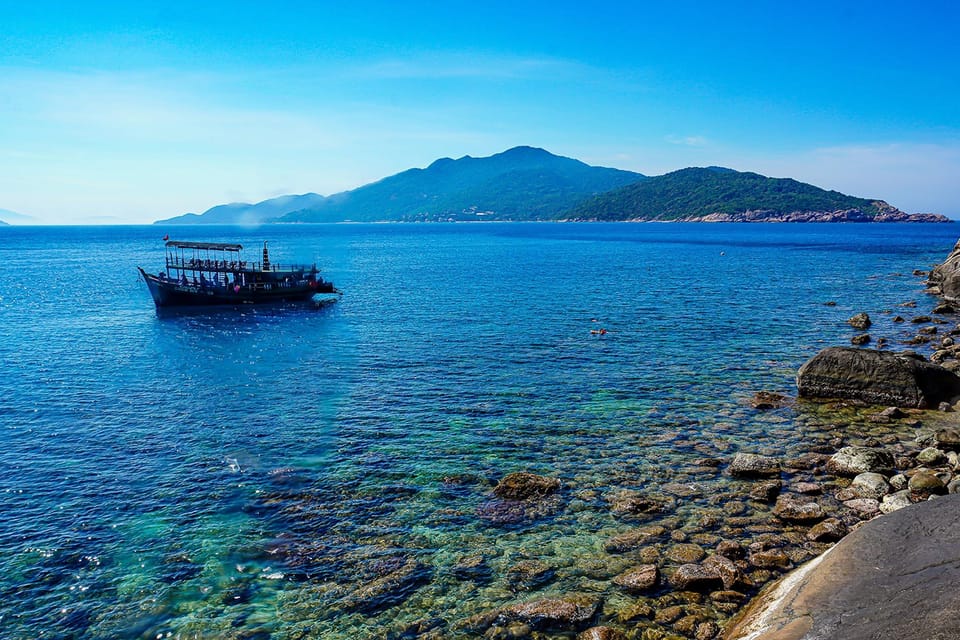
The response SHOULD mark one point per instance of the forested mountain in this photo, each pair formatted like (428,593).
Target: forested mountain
(523,183)
(718,194)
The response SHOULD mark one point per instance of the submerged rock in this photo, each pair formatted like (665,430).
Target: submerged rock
(601,633)
(797,509)
(751,465)
(876,377)
(525,486)
(639,578)
(764,400)
(696,577)
(633,539)
(569,613)
(389,589)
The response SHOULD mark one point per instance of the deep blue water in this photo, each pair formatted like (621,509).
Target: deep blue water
(242,473)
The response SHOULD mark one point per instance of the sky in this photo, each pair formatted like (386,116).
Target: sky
(129,112)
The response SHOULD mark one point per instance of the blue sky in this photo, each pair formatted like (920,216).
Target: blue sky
(129,112)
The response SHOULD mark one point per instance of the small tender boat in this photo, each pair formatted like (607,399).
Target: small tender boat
(211,273)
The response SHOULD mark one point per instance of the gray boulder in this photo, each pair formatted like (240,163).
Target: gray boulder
(876,377)
(751,465)
(944,280)
(853,461)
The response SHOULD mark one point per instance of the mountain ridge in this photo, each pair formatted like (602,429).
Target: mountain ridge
(529,183)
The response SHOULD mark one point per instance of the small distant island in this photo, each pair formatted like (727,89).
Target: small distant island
(530,184)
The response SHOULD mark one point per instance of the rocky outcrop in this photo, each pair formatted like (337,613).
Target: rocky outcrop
(876,377)
(944,280)
(885,213)
(894,577)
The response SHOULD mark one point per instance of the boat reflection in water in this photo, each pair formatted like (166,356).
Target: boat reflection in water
(200,274)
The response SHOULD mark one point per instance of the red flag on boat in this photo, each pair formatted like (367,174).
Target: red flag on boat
(166,237)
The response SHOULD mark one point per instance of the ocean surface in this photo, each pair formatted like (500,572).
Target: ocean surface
(292,472)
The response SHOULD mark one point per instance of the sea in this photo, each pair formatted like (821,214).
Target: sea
(302,471)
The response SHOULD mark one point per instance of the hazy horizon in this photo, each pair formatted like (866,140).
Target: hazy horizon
(118,113)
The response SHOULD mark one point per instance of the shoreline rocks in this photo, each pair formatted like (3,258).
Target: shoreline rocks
(876,377)
(893,577)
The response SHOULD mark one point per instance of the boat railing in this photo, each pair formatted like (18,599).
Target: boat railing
(231,266)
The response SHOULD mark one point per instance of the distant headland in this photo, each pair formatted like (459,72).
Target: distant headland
(530,184)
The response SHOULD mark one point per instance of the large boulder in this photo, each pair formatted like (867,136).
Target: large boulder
(876,377)
(894,577)
(944,280)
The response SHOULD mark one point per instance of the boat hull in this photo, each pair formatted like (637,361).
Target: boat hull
(168,293)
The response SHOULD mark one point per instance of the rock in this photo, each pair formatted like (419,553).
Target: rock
(601,633)
(899,482)
(943,308)
(807,488)
(895,501)
(870,485)
(829,530)
(931,457)
(628,502)
(852,461)
(894,413)
(633,539)
(750,465)
(865,507)
(764,400)
(568,613)
(471,568)
(525,486)
(400,578)
(954,485)
(860,339)
(669,614)
(687,553)
(797,509)
(947,439)
(527,575)
(706,630)
(898,319)
(725,568)
(770,559)
(766,491)
(894,577)
(639,578)
(695,577)
(860,321)
(925,483)
(730,549)
(946,407)
(876,377)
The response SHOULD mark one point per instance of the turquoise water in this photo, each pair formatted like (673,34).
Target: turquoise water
(254,473)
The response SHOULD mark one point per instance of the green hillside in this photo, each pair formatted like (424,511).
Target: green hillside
(698,192)
(523,183)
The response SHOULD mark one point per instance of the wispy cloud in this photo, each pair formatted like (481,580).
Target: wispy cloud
(687,141)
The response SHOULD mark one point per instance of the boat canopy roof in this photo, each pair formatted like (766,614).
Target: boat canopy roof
(213,246)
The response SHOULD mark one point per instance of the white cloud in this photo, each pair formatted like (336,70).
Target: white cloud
(687,141)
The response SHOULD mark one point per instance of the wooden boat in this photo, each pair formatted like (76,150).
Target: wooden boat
(211,273)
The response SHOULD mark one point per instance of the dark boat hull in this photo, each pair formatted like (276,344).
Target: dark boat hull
(168,293)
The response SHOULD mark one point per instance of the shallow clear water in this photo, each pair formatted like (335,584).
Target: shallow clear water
(247,473)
